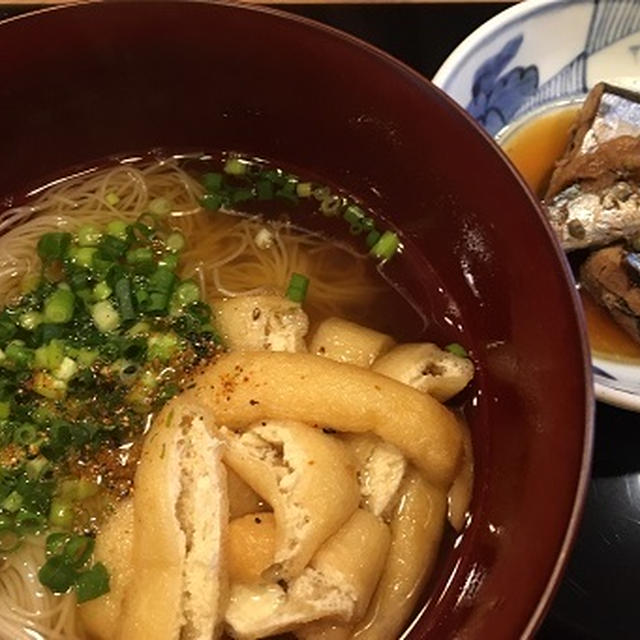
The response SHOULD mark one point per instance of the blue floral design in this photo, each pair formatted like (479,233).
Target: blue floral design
(601,372)
(497,98)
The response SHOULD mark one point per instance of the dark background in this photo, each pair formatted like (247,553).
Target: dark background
(599,597)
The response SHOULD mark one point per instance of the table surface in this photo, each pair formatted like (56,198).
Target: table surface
(597,598)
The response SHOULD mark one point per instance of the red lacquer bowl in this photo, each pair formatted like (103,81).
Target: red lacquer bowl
(88,81)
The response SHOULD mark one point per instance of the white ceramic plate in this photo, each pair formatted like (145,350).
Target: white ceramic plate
(538,53)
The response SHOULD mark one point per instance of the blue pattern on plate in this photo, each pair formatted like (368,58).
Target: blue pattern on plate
(601,372)
(497,98)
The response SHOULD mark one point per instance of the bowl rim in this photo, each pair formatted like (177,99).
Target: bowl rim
(451,67)
(568,536)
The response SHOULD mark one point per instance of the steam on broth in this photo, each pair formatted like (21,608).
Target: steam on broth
(176,456)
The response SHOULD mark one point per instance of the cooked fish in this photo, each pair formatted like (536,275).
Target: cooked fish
(612,277)
(594,192)
(583,218)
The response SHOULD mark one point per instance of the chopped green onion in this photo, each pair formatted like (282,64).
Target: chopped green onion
(83,256)
(36,467)
(372,237)
(304,189)
(30,320)
(30,282)
(330,206)
(117,229)
(12,502)
(92,583)
(141,255)
(19,354)
(58,307)
(25,434)
(54,245)
(48,386)
(78,489)
(264,190)
(86,357)
(78,550)
(28,521)
(162,346)
(57,575)
(175,241)
(162,280)
(288,191)
(297,289)
(112,247)
(160,206)
(235,166)
(89,234)
(212,181)
(139,328)
(54,545)
(169,260)
(457,350)
(105,316)
(67,369)
(241,194)
(50,356)
(10,539)
(61,513)
(125,301)
(101,291)
(211,201)
(353,214)
(7,331)
(128,372)
(185,293)
(386,246)
(112,198)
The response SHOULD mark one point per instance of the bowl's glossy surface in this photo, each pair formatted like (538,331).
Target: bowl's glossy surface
(538,54)
(127,77)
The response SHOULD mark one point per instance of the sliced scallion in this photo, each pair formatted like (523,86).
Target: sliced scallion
(61,513)
(386,246)
(160,206)
(92,583)
(175,241)
(25,434)
(105,316)
(235,166)
(58,307)
(54,245)
(457,350)
(57,575)
(297,289)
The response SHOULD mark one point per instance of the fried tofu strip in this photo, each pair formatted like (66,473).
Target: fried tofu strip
(246,387)
(177,589)
(416,530)
(461,490)
(337,584)
(114,546)
(345,341)
(308,478)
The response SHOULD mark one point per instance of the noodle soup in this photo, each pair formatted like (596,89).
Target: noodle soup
(177,414)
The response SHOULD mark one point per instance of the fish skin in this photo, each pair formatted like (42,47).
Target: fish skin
(583,218)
